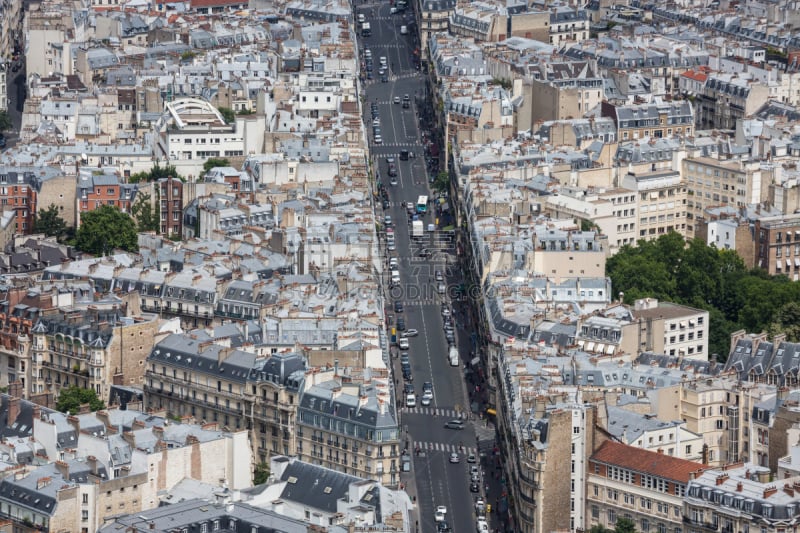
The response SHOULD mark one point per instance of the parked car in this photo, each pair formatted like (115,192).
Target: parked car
(398,306)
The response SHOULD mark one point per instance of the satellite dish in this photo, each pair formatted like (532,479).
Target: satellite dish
(84,157)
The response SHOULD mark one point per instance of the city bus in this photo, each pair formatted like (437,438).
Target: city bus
(422,204)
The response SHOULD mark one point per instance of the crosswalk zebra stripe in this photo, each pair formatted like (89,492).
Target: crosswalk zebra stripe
(443,447)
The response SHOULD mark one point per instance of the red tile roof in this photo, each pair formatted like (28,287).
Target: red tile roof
(646,462)
(695,75)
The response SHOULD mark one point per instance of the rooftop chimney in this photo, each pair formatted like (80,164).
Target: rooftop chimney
(13,411)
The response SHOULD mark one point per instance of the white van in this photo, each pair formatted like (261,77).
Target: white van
(403,30)
(411,400)
(453,356)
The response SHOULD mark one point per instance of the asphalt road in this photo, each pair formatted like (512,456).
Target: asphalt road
(435,480)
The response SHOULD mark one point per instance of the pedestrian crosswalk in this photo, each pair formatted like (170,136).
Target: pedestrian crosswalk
(443,447)
(397,145)
(423,302)
(432,411)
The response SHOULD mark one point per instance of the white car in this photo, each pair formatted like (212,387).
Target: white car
(454,458)
(403,343)
(411,400)
(426,400)
(411,333)
(441,513)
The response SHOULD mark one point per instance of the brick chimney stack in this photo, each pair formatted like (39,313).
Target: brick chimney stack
(13,410)
(15,389)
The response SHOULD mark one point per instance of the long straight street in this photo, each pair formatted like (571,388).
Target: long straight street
(437,479)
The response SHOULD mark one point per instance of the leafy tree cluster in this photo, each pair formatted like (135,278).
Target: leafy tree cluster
(106,229)
(215,162)
(261,474)
(5,121)
(156,173)
(49,222)
(227,114)
(71,399)
(708,278)
(441,183)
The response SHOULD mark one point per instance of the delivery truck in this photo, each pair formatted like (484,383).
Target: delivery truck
(417,229)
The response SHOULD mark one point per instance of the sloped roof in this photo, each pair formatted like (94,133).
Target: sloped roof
(646,462)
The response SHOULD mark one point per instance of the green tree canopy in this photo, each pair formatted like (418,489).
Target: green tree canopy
(228,114)
(49,222)
(261,474)
(106,229)
(441,182)
(624,525)
(145,213)
(215,162)
(5,121)
(156,173)
(705,277)
(70,400)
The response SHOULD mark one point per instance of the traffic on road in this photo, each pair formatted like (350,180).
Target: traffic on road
(443,467)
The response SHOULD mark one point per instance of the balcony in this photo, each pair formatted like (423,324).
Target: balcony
(706,526)
(191,385)
(525,498)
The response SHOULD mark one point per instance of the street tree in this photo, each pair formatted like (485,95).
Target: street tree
(5,121)
(441,183)
(70,400)
(106,229)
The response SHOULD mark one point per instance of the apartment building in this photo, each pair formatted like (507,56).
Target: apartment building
(777,244)
(661,202)
(223,214)
(19,193)
(671,329)
(719,409)
(643,486)
(656,120)
(433,16)
(550,446)
(121,445)
(561,253)
(196,515)
(741,497)
(712,182)
(200,377)
(333,498)
(613,210)
(568,25)
(67,496)
(350,427)
(562,90)
(644,430)
(95,190)
(726,98)
(191,294)
(93,347)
